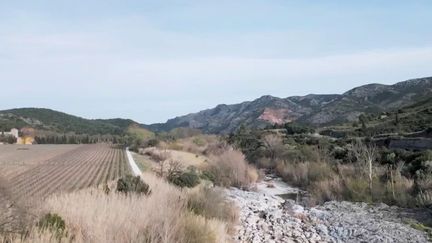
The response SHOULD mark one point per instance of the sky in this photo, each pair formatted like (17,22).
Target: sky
(155,60)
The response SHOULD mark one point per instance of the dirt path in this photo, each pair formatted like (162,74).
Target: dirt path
(133,165)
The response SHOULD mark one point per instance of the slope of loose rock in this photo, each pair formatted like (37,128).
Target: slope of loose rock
(266,217)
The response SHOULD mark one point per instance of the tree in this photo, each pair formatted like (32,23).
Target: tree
(366,155)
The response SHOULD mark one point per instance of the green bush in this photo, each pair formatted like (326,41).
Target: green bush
(185,179)
(208,175)
(132,184)
(153,142)
(53,223)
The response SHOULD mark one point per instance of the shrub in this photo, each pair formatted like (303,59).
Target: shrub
(424,199)
(152,142)
(208,175)
(199,141)
(400,192)
(210,203)
(304,173)
(326,190)
(198,229)
(297,129)
(231,169)
(53,223)
(130,183)
(188,178)
(357,190)
(156,155)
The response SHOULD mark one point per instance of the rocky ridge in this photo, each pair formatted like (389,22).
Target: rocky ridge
(313,109)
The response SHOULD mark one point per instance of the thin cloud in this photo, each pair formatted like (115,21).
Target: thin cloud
(139,63)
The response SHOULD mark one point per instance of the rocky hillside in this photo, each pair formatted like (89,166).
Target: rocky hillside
(257,113)
(372,98)
(310,109)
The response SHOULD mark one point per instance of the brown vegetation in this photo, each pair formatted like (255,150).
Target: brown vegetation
(360,181)
(231,169)
(166,215)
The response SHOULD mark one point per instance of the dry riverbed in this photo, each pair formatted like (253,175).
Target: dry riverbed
(266,217)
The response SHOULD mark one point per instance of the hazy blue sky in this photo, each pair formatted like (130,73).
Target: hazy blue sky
(153,60)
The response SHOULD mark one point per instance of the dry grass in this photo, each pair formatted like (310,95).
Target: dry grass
(328,182)
(188,159)
(200,144)
(143,162)
(326,190)
(185,158)
(211,203)
(304,173)
(231,169)
(93,216)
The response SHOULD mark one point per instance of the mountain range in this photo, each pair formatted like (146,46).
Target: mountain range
(314,110)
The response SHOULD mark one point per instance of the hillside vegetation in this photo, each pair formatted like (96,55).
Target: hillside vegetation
(414,120)
(53,127)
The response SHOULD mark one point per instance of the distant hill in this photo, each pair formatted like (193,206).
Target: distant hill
(315,110)
(54,121)
(371,98)
(257,113)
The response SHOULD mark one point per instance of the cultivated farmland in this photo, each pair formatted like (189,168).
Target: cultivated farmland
(38,171)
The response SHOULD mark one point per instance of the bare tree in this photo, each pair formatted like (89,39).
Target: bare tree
(274,144)
(366,155)
(159,157)
(174,168)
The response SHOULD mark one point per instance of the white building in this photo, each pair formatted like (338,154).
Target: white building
(13,132)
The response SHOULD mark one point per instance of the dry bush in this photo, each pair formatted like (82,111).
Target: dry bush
(425,183)
(266,163)
(348,182)
(159,156)
(274,146)
(163,216)
(174,146)
(424,199)
(395,189)
(191,147)
(96,217)
(357,189)
(326,190)
(211,203)
(156,155)
(215,146)
(36,236)
(400,191)
(200,144)
(198,229)
(304,173)
(230,168)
